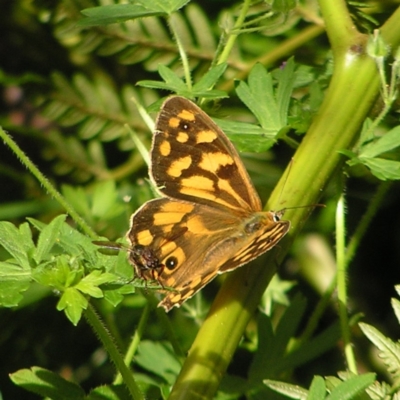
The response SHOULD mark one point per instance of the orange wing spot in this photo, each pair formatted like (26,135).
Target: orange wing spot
(212,162)
(206,136)
(182,137)
(198,184)
(173,298)
(168,248)
(174,122)
(174,206)
(179,165)
(187,115)
(144,237)
(165,148)
(194,283)
(196,225)
(167,219)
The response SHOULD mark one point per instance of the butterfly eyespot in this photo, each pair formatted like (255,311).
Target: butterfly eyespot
(171,263)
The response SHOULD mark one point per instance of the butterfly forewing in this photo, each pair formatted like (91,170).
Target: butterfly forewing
(193,160)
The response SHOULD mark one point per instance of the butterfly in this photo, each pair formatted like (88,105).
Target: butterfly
(209,219)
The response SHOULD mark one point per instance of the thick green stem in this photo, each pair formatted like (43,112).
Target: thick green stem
(353,89)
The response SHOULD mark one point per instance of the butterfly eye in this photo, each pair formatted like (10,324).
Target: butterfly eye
(171,263)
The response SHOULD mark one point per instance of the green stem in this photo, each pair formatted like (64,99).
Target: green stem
(46,183)
(182,52)
(137,337)
(233,36)
(113,352)
(366,220)
(342,284)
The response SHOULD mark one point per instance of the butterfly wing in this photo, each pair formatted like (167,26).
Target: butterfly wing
(194,243)
(193,160)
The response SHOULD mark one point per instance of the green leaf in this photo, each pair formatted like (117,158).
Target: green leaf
(167,365)
(89,284)
(210,78)
(73,303)
(114,14)
(317,389)
(259,97)
(17,242)
(109,392)
(171,79)
(310,350)
(47,384)
(382,169)
(350,388)
(286,78)
(163,6)
(387,142)
(105,200)
(77,197)
(13,281)
(47,238)
(246,137)
(390,351)
(287,389)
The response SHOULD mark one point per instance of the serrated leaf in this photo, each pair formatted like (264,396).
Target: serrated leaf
(47,384)
(171,79)
(90,283)
(387,142)
(47,238)
(390,351)
(17,242)
(114,14)
(258,95)
(287,389)
(350,388)
(72,302)
(382,169)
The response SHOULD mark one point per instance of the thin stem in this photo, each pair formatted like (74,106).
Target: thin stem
(113,352)
(342,284)
(46,183)
(137,337)
(233,36)
(366,220)
(182,52)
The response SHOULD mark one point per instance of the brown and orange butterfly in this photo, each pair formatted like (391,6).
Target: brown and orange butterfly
(209,220)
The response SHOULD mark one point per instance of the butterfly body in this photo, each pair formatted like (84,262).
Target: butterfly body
(209,220)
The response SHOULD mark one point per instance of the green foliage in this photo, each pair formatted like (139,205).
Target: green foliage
(90,69)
